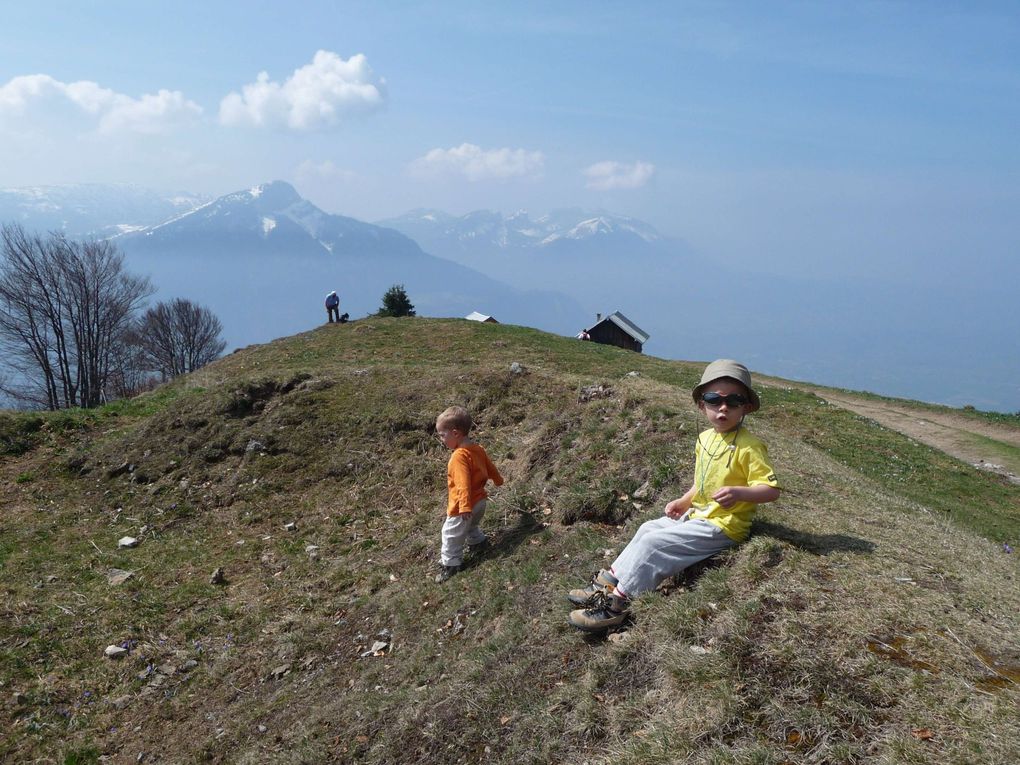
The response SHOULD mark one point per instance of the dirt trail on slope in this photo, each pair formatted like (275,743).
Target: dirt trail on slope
(957,435)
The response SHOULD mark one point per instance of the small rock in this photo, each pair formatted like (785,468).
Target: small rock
(377,649)
(591,392)
(290,526)
(279,672)
(189,665)
(166,669)
(51,579)
(642,491)
(254,446)
(127,542)
(633,374)
(117,576)
(144,530)
(124,467)
(218,577)
(312,550)
(121,701)
(618,637)
(115,651)
(700,650)
(516,368)
(263,729)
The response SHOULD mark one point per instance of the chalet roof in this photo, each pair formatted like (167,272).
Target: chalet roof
(626,325)
(475,316)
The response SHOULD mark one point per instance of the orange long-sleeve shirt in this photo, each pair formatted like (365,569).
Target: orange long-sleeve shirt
(466,475)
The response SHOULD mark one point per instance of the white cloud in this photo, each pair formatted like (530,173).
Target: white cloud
(40,95)
(318,95)
(608,176)
(477,164)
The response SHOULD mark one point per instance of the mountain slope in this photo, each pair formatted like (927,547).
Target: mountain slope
(866,620)
(91,209)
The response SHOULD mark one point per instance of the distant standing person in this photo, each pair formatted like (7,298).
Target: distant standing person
(583,335)
(467,472)
(732,476)
(333,306)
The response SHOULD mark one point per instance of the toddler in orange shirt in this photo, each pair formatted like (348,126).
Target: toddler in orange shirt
(467,473)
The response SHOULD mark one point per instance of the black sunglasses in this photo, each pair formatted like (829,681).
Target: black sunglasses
(717,399)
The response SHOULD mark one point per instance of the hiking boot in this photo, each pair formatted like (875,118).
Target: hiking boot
(445,573)
(601,583)
(609,611)
(478,547)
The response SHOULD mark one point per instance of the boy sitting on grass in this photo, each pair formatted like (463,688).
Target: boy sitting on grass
(467,473)
(732,476)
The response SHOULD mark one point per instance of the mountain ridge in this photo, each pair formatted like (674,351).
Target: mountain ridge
(869,334)
(267,257)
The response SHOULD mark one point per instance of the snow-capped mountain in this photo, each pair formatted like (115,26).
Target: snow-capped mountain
(264,258)
(280,220)
(484,232)
(604,261)
(91,209)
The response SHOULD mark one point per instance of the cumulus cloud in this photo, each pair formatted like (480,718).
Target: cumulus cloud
(39,94)
(609,176)
(477,164)
(318,95)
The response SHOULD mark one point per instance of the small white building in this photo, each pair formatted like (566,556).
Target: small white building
(475,316)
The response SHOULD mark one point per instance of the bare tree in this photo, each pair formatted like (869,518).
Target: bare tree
(179,337)
(64,307)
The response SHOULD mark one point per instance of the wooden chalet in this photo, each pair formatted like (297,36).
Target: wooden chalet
(617,329)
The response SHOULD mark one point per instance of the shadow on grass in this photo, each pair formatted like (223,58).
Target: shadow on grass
(819,544)
(503,543)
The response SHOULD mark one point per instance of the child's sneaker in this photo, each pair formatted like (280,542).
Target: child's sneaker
(601,583)
(446,573)
(609,611)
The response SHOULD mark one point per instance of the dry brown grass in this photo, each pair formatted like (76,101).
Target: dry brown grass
(861,624)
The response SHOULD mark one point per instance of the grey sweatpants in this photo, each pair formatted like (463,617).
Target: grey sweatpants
(459,530)
(664,547)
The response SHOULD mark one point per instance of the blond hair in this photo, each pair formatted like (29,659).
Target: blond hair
(455,417)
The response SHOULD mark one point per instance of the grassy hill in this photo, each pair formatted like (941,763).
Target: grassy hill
(874,616)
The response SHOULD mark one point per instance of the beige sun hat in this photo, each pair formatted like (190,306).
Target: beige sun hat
(727,368)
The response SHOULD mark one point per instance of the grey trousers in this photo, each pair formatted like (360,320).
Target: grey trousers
(664,547)
(459,530)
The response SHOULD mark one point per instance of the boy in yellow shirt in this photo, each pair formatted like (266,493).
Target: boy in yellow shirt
(732,476)
(467,472)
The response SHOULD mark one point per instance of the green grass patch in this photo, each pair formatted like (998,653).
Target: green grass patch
(984,502)
(772,653)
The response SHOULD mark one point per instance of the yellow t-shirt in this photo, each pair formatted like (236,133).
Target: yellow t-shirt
(466,474)
(729,459)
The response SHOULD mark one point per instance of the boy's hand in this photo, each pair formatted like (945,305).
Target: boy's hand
(676,509)
(728,496)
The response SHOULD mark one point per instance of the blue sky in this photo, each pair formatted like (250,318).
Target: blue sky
(837,139)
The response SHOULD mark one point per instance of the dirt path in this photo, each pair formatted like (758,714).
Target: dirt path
(983,444)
